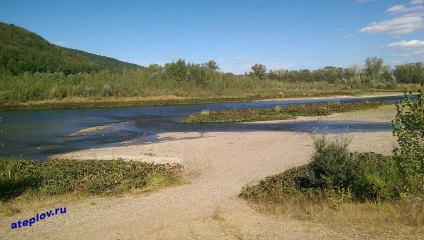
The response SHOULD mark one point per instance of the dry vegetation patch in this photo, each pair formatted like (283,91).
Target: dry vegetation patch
(279,112)
(21,180)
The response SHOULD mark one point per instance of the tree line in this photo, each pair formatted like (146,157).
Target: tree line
(373,73)
(180,78)
(22,52)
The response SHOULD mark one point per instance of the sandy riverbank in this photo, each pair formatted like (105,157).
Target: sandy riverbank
(364,95)
(218,165)
(153,153)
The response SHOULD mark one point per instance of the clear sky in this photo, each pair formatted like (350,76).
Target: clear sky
(284,34)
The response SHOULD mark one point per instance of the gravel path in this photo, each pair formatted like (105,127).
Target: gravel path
(218,165)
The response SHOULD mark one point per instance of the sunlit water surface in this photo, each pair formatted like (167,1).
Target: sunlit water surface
(38,134)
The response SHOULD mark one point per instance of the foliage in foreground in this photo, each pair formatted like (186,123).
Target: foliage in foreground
(334,170)
(18,177)
(341,187)
(409,129)
(279,112)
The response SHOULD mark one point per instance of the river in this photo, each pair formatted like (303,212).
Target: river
(38,134)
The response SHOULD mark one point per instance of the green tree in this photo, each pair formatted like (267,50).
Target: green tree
(410,73)
(353,73)
(198,73)
(177,70)
(212,65)
(329,74)
(259,71)
(409,129)
(377,74)
(373,66)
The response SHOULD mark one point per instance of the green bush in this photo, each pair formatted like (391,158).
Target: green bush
(334,173)
(379,178)
(332,164)
(287,183)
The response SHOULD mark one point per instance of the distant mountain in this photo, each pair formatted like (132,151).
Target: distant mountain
(23,51)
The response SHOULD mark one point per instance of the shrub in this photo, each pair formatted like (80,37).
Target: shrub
(336,175)
(378,178)
(278,186)
(332,164)
(369,176)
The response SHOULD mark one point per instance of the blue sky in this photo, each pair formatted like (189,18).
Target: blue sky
(290,34)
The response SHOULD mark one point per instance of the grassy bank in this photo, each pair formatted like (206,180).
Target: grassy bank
(164,100)
(151,88)
(25,181)
(77,103)
(278,112)
(104,86)
(348,191)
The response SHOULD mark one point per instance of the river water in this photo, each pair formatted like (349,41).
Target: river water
(37,134)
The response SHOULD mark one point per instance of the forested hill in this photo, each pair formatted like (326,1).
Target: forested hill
(23,51)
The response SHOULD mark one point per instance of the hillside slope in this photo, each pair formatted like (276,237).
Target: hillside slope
(23,51)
